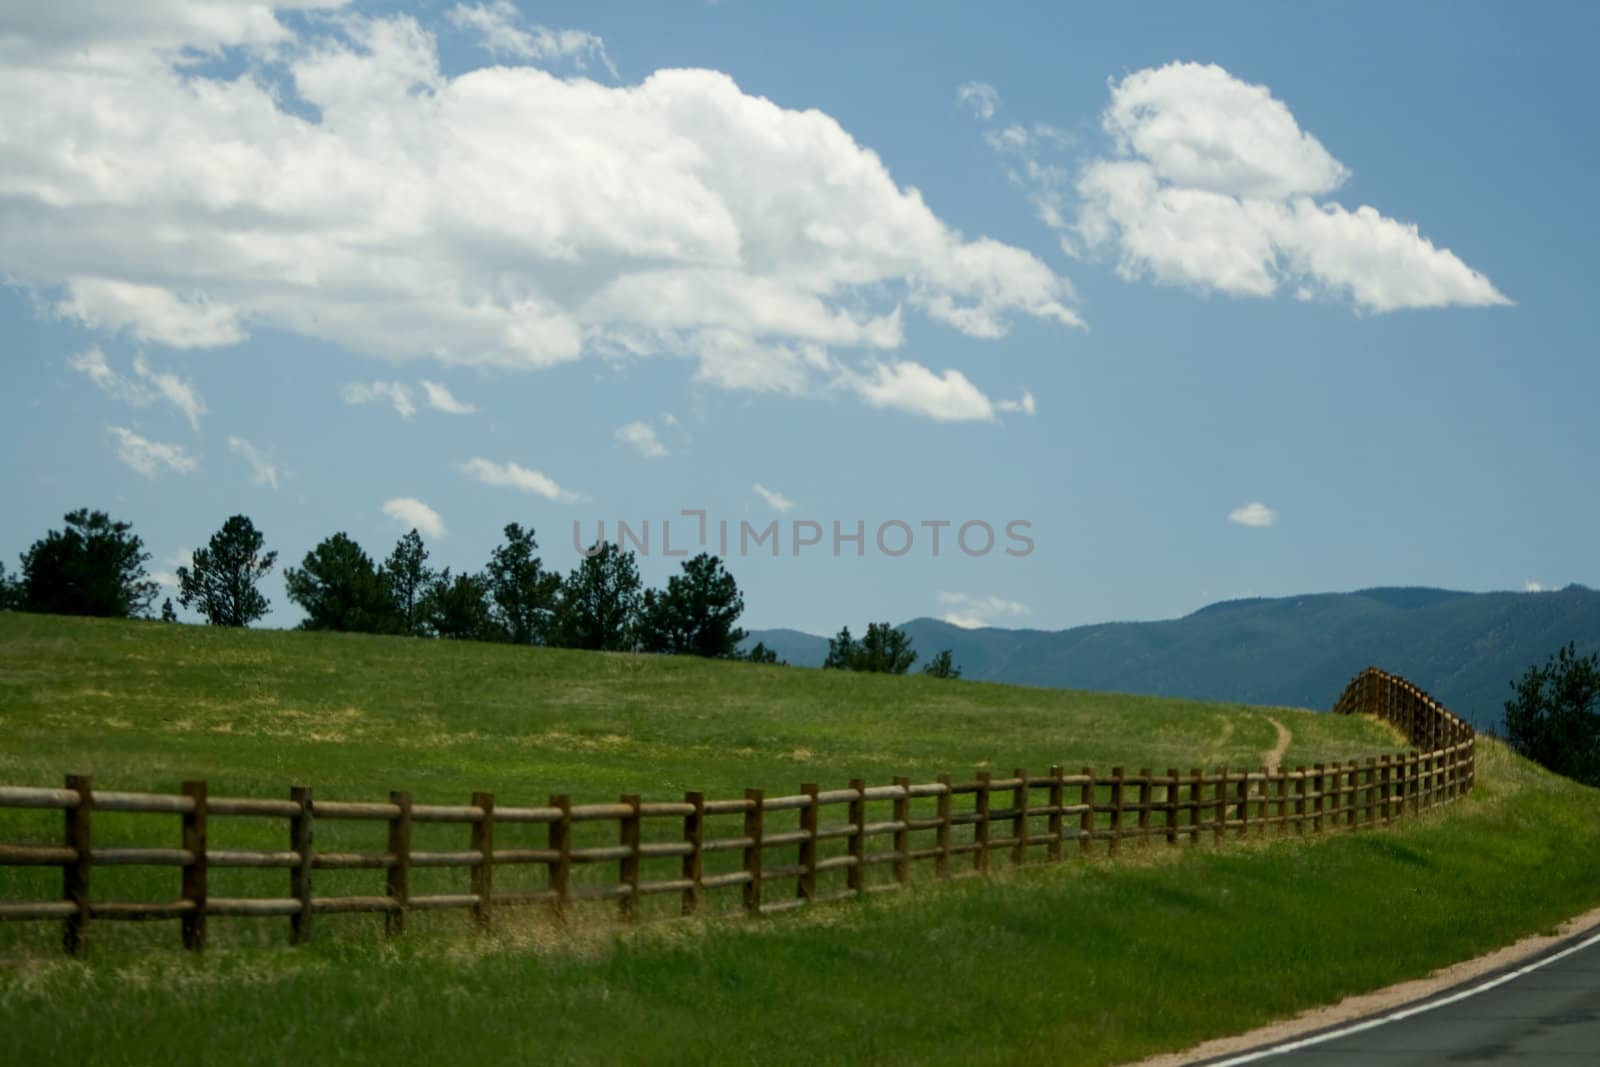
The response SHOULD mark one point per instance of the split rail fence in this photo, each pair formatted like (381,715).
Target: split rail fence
(943,828)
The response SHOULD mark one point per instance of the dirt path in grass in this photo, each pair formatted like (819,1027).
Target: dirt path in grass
(1383,1000)
(1273,757)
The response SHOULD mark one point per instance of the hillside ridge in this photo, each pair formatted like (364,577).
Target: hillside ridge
(1465,648)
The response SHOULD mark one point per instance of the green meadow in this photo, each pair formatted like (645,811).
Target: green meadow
(1079,962)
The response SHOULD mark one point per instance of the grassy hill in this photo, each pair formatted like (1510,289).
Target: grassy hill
(146,704)
(1464,648)
(1095,962)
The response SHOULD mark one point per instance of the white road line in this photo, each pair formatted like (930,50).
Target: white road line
(1404,1013)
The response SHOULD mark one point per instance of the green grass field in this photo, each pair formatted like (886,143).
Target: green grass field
(1077,962)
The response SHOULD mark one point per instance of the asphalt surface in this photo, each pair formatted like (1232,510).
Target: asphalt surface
(1548,1015)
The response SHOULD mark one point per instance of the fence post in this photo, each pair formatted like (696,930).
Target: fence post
(75,875)
(1086,799)
(1348,813)
(694,834)
(1332,786)
(628,832)
(1145,791)
(856,876)
(1397,803)
(754,819)
(194,872)
(1283,800)
(902,836)
(1300,799)
(1221,827)
(1415,775)
(1058,800)
(1372,790)
(483,870)
(1118,777)
(1197,788)
(301,833)
(399,881)
(1386,787)
(980,829)
(941,862)
(1019,822)
(1172,805)
(1244,803)
(560,843)
(1322,796)
(806,886)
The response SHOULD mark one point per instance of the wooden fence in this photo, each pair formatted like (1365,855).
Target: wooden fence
(782,844)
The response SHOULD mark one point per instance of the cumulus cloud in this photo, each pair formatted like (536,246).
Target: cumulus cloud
(641,437)
(1531,586)
(150,458)
(393,393)
(980,98)
(150,386)
(972,612)
(150,313)
(263,471)
(441,399)
(775,500)
(340,186)
(413,514)
(911,387)
(1254,513)
(1212,184)
(515,476)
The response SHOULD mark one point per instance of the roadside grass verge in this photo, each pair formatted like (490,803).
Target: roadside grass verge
(1088,963)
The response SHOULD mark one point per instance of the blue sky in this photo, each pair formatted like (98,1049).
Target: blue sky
(1242,300)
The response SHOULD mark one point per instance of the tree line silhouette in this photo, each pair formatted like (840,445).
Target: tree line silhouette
(96,566)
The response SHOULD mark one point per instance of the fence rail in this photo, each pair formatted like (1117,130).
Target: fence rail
(1025,817)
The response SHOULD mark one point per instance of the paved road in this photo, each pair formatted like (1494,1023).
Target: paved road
(1544,1011)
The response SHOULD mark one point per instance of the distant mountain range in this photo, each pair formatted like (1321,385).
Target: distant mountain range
(1298,651)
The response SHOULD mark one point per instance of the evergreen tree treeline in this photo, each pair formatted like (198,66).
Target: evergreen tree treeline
(96,566)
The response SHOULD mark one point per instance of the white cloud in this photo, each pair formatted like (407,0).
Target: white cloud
(397,395)
(1026,405)
(262,470)
(1212,184)
(980,98)
(1531,586)
(91,363)
(775,500)
(441,399)
(165,579)
(514,476)
(641,436)
(1254,513)
(176,391)
(972,612)
(342,187)
(501,30)
(413,514)
(150,458)
(150,313)
(912,387)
